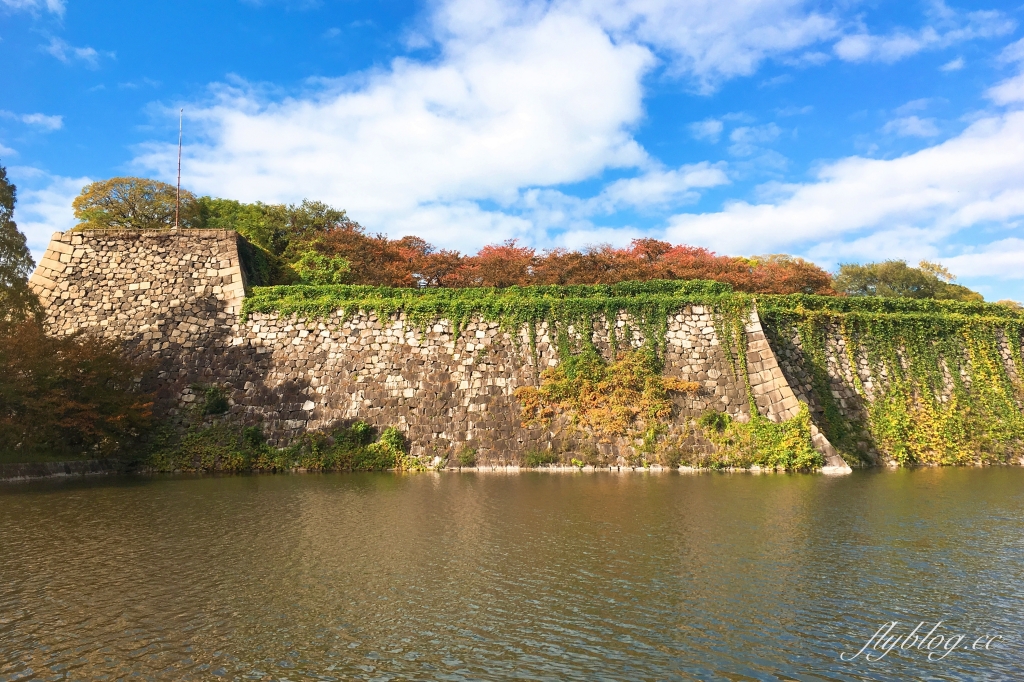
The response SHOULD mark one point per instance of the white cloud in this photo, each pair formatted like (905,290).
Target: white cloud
(950,29)
(53,6)
(1009,91)
(794,111)
(913,105)
(1003,258)
(40,120)
(44,121)
(68,53)
(912,126)
(1014,52)
(7,151)
(541,103)
(709,129)
(464,225)
(953,65)
(662,187)
(711,41)
(746,139)
(44,204)
(524,94)
(976,178)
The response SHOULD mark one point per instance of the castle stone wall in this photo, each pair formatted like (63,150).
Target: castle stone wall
(175,297)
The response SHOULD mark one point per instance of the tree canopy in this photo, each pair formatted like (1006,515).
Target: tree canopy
(315,243)
(17,302)
(896,279)
(60,397)
(133,204)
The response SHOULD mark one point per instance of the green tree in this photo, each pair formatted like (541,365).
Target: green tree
(896,279)
(17,302)
(133,204)
(264,225)
(316,268)
(288,236)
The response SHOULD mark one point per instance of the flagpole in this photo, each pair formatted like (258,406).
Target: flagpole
(177,195)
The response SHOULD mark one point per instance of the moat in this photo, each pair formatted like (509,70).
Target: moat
(500,576)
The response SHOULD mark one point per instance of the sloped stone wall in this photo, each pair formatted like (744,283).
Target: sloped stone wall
(175,297)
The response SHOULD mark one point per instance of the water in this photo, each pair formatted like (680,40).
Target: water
(494,576)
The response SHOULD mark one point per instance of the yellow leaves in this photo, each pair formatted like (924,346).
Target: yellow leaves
(620,399)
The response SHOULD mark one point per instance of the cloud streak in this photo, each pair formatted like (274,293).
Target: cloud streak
(975,178)
(951,28)
(47,123)
(52,6)
(64,52)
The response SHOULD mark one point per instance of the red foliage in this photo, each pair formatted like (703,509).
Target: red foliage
(410,261)
(67,396)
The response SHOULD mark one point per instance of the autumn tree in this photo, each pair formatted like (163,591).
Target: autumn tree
(17,302)
(133,204)
(67,397)
(500,265)
(60,397)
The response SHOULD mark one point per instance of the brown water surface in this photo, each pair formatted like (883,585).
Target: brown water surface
(493,576)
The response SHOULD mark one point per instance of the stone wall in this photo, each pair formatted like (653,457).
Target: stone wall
(175,297)
(852,382)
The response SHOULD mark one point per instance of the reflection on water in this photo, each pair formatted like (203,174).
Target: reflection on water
(531,576)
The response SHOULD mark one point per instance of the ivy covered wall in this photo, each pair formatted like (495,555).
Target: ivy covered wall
(658,372)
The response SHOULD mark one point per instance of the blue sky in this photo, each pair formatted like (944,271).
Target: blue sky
(840,132)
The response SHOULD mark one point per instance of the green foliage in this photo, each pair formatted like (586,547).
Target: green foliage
(579,306)
(535,458)
(894,278)
(941,390)
(625,399)
(17,302)
(713,421)
(265,225)
(214,399)
(227,447)
(129,203)
(282,238)
(760,442)
(316,268)
(467,457)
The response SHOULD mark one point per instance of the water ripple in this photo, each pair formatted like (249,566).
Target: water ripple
(458,577)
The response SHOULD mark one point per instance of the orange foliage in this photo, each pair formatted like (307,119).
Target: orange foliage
(67,396)
(410,261)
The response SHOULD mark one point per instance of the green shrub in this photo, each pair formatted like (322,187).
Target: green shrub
(467,457)
(536,458)
(714,421)
(214,399)
(760,442)
(231,448)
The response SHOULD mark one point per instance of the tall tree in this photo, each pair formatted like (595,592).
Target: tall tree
(896,279)
(132,204)
(17,302)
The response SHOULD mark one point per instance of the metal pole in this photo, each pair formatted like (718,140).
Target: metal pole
(177,195)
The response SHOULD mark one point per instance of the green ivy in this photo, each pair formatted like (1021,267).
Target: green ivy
(941,391)
(760,442)
(648,304)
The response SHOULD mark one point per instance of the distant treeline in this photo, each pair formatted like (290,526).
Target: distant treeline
(314,243)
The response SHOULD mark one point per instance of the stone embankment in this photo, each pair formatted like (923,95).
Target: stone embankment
(31,471)
(175,297)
